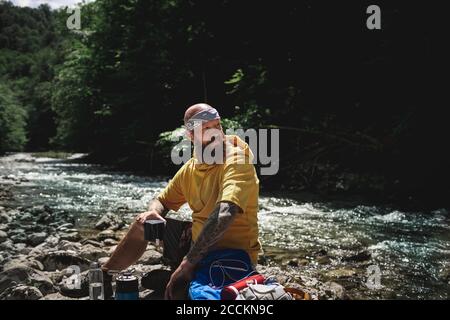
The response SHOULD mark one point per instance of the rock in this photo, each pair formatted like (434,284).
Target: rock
(26,217)
(19,238)
(290,262)
(21,292)
(20,246)
(106,234)
(111,250)
(280,275)
(340,273)
(33,228)
(52,241)
(37,210)
(102,261)
(140,268)
(323,260)
(109,242)
(44,218)
(65,226)
(110,221)
(23,261)
(92,253)
(71,236)
(57,276)
(148,294)
(69,245)
(25,250)
(56,296)
(359,257)
(4,227)
(68,289)
(36,238)
(3,236)
(321,252)
(59,260)
(92,242)
(5,218)
(150,257)
(444,274)
(304,294)
(333,291)
(303,262)
(7,245)
(26,276)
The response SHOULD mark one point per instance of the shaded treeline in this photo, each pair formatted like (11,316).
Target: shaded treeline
(358,109)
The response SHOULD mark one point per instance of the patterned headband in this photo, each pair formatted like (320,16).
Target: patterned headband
(201,117)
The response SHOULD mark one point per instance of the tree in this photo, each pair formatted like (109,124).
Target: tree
(12,121)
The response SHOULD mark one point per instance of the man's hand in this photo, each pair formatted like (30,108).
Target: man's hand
(149,215)
(180,278)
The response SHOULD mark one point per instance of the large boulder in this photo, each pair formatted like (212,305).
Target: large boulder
(110,221)
(21,292)
(25,275)
(59,260)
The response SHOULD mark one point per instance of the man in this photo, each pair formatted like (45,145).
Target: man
(220,185)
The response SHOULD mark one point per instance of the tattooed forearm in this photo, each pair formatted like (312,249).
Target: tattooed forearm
(214,228)
(155,204)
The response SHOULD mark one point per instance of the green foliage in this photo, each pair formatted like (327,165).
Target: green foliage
(12,121)
(30,43)
(118,87)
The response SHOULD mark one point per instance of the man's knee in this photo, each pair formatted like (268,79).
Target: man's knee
(136,231)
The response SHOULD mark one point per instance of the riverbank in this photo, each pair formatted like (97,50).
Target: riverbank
(40,244)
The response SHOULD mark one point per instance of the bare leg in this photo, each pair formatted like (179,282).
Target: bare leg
(129,249)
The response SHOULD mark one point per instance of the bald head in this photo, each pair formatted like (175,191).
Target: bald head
(196,108)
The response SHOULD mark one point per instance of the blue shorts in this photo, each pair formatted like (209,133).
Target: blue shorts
(218,269)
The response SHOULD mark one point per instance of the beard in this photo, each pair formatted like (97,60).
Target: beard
(211,152)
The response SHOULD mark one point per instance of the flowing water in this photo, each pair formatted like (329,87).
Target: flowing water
(410,249)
